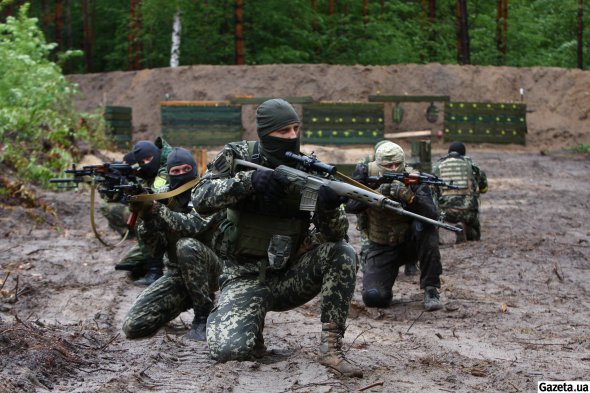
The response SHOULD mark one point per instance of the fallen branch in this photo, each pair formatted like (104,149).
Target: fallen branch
(378,383)
(414,322)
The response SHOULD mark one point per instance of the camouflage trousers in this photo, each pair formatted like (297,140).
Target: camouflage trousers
(191,283)
(116,215)
(236,324)
(470,219)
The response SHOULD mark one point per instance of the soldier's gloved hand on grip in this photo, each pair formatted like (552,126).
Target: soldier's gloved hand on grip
(269,183)
(398,192)
(328,199)
(360,174)
(143,209)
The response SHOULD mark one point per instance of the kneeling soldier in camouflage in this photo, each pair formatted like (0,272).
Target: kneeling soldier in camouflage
(394,239)
(270,259)
(192,267)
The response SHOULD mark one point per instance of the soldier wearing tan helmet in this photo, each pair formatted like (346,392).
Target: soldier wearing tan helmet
(394,239)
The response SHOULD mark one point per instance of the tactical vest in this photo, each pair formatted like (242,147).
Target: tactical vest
(383,226)
(456,171)
(253,223)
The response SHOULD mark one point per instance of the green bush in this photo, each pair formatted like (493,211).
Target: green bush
(39,127)
(583,148)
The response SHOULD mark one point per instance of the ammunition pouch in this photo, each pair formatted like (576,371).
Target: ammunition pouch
(255,236)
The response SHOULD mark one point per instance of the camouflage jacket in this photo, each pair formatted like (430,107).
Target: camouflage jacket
(223,187)
(164,226)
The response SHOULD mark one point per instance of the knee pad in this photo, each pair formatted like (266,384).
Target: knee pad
(373,298)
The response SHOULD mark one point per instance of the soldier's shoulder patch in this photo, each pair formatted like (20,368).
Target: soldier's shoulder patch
(159,182)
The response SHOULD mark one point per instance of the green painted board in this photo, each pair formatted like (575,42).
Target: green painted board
(480,122)
(342,123)
(117,109)
(260,100)
(119,121)
(380,98)
(200,125)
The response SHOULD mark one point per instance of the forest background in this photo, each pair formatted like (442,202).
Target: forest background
(136,34)
(41,41)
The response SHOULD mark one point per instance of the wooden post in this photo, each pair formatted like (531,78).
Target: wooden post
(201,159)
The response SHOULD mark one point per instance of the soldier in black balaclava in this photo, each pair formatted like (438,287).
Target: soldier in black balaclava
(272,259)
(192,268)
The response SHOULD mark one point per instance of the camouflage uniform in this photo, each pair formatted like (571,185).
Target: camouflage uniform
(461,206)
(192,270)
(395,240)
(253,284)
(136,259)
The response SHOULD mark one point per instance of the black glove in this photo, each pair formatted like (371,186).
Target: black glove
(361,174)
(269,183)
(144,209)
(328,199)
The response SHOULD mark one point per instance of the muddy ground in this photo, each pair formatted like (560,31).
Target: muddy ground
(517,308)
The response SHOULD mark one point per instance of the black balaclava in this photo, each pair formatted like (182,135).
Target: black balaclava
(273,115)
(180,156)
(457,147)
(143,149)
(129,158)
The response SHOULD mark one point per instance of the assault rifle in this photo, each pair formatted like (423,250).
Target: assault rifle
(115,182)
(310,185)
(410,179)
(110,178)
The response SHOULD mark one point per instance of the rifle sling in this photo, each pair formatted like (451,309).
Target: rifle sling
(92,223)
(164,195)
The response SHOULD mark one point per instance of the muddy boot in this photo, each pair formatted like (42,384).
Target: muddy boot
(259,350)
(331,354)
(198,331)
(432,300)
(461,236)
(155,270)
(410,269)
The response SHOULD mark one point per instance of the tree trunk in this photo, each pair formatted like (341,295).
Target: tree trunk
(239,32)
(176,30)
(135,47)
(88,12)
(581,34)
(463,51)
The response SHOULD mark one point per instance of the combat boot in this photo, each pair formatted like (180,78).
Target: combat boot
(259,350)
(461,236)
(198,330)
(331,354)
(432,300)
(155,270)
(410,269)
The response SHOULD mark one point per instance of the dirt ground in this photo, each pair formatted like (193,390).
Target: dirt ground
(516,304)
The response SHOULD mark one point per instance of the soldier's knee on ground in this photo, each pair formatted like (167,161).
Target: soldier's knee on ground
(373,297)
(134,328)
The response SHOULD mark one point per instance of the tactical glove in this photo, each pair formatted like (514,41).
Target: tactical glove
(360,174)
(328,199)
(398,192)
(143,209)
(269,183)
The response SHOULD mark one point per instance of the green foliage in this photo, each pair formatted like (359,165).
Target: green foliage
(583,148)
(539,32)
(38,123)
